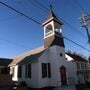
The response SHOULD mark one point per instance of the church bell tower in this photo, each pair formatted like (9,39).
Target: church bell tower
(52,31)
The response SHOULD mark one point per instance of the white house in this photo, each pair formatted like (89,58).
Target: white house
(82,70)
(46,65)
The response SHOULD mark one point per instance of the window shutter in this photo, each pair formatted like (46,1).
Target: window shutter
(29,70)
(49,70)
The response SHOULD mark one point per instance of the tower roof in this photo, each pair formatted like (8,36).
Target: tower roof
(51,16)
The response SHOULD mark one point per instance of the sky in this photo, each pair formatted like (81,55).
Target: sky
(19,34)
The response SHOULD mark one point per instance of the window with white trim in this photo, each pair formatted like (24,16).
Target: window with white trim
(46,70)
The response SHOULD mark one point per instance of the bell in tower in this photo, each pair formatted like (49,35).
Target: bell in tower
(52,31)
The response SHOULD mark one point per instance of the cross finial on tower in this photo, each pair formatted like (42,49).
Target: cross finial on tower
(51,7)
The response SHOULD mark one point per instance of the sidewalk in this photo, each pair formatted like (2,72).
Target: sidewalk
(71,87)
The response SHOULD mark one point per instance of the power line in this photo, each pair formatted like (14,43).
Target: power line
(36,5)
(76,43)
(41,5)
(71,27)
(10,18)
(63,20)
(10,42)
(82,8)
(67,23)
(20,12)
(37,23)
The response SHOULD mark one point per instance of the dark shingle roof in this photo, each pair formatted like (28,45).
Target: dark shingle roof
(5,61)
(77,57)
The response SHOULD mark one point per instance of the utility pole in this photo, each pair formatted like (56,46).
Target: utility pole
(85,22)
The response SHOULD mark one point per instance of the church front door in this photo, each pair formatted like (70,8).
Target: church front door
(63,75)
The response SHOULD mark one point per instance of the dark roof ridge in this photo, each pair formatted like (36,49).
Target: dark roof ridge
(77,57)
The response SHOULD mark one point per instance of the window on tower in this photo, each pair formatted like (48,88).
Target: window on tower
(48,29)
(57,27)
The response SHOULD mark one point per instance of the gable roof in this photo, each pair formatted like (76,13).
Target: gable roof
(32,54)
(5,61)
(77,57)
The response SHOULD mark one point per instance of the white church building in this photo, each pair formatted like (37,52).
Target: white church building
(47,65)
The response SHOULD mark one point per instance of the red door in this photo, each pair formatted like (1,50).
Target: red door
(63,75)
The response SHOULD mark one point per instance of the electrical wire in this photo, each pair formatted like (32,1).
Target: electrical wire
(37,5)
(69,25)
(10,18)
(10,42)
(20,13)
(40,24)
(76,43)
(73,28)
(41,5)
(80,6)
